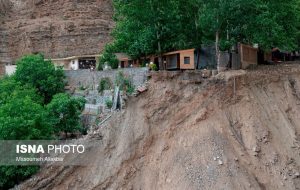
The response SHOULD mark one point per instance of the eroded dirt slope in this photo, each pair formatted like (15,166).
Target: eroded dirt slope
(183,134)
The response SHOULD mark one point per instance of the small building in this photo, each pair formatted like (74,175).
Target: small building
(77,62)
(182,59)
(124,60)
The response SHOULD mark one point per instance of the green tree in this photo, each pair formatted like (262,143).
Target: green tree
(24,119)
(21,118)
(11,175)
(64,113)
(11,90)
(23,115)
(109,58)
(154,26)
(35,71)
(267,23)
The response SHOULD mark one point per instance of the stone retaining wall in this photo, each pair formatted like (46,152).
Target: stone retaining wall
(89,78)
(2,69)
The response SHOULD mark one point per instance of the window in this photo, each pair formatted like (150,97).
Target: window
(187,60)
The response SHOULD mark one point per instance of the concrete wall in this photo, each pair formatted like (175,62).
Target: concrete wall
(224,60)
(2,69)
(92,78)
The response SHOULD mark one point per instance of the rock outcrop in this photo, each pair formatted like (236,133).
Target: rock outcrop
(56,28)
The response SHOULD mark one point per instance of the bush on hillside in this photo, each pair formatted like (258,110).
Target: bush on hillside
(125,83)
(105,84)
(64,113)
(109,103)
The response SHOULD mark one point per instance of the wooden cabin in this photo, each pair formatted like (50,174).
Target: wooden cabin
(182,59)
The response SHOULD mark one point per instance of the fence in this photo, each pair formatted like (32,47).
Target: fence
(248,56)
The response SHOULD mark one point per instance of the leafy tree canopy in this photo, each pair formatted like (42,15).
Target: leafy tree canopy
(154,26)
(64,112)
(25,113)
(23,119)
(108,57)
(11,175)
(35,71)
(11,90)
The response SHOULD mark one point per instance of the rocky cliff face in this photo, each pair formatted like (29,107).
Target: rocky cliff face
(56,28)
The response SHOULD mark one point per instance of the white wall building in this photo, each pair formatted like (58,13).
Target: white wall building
(10,69)
(77,62)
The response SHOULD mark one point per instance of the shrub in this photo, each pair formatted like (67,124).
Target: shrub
(110,59)
(124,83)
(64,113)
(105,84)
(108,103)
(153,67)
(130,89)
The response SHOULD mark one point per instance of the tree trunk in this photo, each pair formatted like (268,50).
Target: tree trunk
(157,27)
(160,61)
(218,50)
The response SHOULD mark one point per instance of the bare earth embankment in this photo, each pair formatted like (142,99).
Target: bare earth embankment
(186,133)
